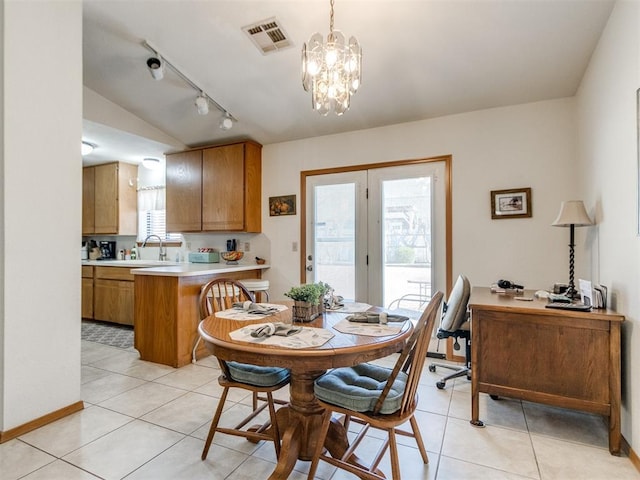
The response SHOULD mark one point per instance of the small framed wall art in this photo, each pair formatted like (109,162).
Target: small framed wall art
(284,205)
(513,203)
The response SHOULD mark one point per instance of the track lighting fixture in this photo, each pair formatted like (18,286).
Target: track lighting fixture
(157,64)
(202,104)
(156,67)
(226,122)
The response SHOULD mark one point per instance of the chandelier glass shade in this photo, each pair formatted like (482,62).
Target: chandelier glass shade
(331,70)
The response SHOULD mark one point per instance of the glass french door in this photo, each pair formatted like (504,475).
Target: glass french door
(378,235)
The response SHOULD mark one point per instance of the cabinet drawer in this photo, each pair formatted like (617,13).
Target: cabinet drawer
(114,273)
(87,271)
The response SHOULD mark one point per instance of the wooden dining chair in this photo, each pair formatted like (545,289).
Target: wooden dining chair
(377,397)
(221,294)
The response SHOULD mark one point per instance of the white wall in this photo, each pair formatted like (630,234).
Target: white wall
(530,145)
(608,136)
(41,179)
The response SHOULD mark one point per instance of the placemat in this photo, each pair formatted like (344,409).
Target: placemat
(307,337)
(351,307)
(368,329)
(237,314)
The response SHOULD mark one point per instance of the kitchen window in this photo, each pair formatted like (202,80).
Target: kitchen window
(152,214)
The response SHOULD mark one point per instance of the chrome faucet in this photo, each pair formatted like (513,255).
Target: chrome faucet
(162,256)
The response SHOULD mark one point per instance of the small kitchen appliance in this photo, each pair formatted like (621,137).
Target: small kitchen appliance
(107,250)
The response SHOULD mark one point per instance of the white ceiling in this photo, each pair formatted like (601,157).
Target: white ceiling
(421,59)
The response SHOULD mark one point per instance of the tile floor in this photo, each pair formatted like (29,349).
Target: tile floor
(149,421)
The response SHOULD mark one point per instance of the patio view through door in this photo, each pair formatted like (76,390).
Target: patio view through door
(378,235)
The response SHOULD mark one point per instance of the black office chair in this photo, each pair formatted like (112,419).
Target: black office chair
(455,324)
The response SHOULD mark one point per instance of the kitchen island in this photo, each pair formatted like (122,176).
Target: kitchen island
(166,307)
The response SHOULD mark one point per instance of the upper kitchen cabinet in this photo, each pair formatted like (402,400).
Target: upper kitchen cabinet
(109,199)
(215,189)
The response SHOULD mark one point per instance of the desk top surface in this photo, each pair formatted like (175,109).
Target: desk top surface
(483,299)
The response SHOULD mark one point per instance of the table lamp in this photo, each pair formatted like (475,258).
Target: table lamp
(572,214)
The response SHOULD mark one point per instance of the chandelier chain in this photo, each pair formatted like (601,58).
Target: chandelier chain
(331,19)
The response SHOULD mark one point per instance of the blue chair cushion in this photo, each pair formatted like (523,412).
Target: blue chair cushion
(358,388)
(256,375)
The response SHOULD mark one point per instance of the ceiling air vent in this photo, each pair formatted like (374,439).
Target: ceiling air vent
(268,35)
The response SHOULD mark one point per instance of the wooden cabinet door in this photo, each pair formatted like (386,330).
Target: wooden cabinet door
(88,199)
(113,301)
(184,191)
(223,188)
(87,298)
(106,198)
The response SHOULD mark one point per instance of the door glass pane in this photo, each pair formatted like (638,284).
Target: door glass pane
(406,241)
(335,238)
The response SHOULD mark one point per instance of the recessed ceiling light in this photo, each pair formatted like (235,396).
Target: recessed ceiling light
(151,163)
(87,148)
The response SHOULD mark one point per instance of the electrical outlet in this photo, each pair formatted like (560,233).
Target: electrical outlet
(247,246)
(294,246)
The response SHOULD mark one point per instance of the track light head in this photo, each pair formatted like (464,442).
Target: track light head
(202,104)
(156,67)
(226,122)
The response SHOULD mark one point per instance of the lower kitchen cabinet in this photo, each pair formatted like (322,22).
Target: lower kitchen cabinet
(113,295)
(87,292)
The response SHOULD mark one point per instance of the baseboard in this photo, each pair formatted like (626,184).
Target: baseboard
(40,422)
(626,448)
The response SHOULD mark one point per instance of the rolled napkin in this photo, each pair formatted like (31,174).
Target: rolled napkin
(254,308)
(278,328)
(376,318)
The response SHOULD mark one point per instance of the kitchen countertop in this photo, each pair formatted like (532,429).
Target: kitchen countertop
(175,269)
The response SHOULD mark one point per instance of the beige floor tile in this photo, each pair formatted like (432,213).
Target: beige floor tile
(122,451)
(431,399)
(93,352)
(495,447)
(185,414)
(107,387)
(559,460)
(59,470)
(255,468)
(566,424)
(182,461)
(213,389)
(70,433)
(17,459)
(143,399)
(189,377)
(454,469)
(232,415)
(89,373)
(503,412)
(128,363)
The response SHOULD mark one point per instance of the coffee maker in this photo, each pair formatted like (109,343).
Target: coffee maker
(107,250)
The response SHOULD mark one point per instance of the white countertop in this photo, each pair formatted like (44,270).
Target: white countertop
(175,269)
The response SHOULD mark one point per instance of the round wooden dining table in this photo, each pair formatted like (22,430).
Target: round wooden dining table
(299,421)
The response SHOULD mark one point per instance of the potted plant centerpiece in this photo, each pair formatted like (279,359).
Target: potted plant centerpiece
(308,300)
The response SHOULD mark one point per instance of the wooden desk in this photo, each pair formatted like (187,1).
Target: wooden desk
(558,357)
(301,419)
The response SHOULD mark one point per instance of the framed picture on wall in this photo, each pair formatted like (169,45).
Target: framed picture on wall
(513,203)
(283,205)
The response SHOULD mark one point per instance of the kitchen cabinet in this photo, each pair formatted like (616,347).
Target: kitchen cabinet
(113,297)
(215,189)
(87,292)
(109,199)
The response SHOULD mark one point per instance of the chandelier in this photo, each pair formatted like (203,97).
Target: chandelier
(331,71)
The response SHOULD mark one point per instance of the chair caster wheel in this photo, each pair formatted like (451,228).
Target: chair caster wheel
(440,385)
(494,397)
(432,368)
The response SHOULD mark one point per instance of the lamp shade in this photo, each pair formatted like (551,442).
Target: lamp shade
(572,212)
(151,163)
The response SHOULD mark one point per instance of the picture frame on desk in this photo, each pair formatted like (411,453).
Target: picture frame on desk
(512,203)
